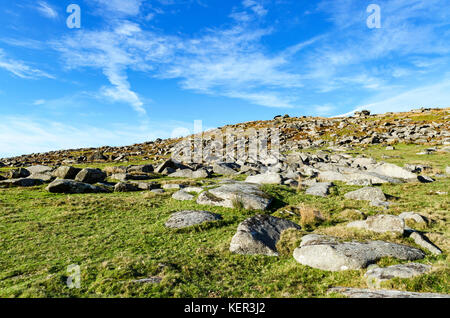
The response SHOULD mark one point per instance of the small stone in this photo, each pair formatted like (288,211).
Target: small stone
(321,189)
(185,219)
(182,196)
(402,271)
(366,194)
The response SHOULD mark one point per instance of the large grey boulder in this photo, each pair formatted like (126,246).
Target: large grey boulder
(327,253)
(45,177)
(140,169)
(188,173)
(249,195)
(321,189)
(71,186)
(224,169)
(39,169)
(266,178)
(380,224)
(394,171)
(185,219)
(379,274)
(126,187)
(382,293)
(91,176)
(182,196)
(18,173)
(366,194)
(259,235)
(66,172)
(20,182)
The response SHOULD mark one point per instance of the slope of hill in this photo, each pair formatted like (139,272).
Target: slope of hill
(307,213)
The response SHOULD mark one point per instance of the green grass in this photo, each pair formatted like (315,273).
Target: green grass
(120,237)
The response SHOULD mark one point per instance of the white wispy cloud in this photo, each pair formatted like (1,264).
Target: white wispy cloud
(434,95)
(121,7)
(20,68)
(46,10)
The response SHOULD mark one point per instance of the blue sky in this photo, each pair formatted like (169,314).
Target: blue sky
(137,70)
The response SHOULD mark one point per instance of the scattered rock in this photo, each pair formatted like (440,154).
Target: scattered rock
(66,172)
(91,176)
(416,217)
(20,182)
(71,186)
(126,187)
(425,243)
(224,169)
(18,173)
(182,196)
(185,219)
(171,186)
(402,271)
(259,235)
(380,224)
(150,280)
(321,189)
(381,293)
(193,189)
(39,169)
(326,253)
(394,171)
(236,194)
(266,178)
(366,194)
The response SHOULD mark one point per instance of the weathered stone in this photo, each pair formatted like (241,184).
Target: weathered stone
(266,178)
(91,176)
(126,187)
(394,171)
(20,182)
(46,177)
(182,196)
(416,217)
(193,189)
(249,195)
(71,186)
(18,173)
(66,172)
(259,235)
(39,169)
(425,243)
(185,219)
(401,271)
(380,224)
(328,254)
(171,186)
(321,189)
(140,169)
(366,194)
(381,293)
(224,169)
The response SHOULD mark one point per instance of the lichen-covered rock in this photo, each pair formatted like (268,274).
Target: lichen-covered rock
(402,271)
(185,219)
(366,194)
(71,186)
(327,253)
(380,224)
(91,176)
(235,194)
(259,235)
(66,172)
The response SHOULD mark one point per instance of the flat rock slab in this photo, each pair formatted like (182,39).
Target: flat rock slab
(394,171)
(366,194)
(321,189)
(228,195)
(425,243)
(20,182)
(382,293)
(326,253)
(401,271)
(185,219)
(39,169)
(266,178)
(182,196)
(416,217)
(259,235)
(71,186)
(380,224)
